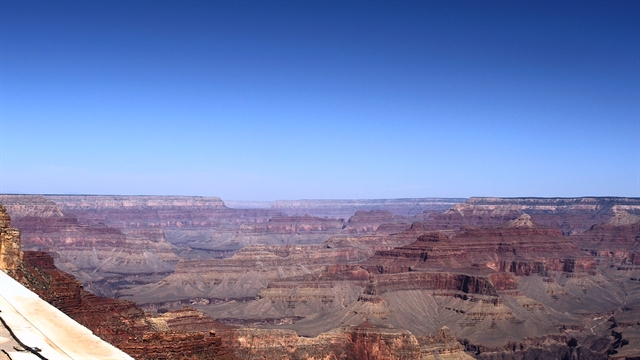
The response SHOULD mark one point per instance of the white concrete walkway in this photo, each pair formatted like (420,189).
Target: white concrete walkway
(38,324)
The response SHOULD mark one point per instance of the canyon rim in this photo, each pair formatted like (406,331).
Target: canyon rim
(167,277)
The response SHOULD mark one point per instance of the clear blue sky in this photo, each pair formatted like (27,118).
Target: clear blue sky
(261,100)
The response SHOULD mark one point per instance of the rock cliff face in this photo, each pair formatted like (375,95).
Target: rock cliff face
(617,241)
(10,249)
(380,284)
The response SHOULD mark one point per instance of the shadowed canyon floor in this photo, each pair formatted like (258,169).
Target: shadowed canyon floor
(488,278)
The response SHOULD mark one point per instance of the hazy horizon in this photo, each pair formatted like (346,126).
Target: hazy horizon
(269,202)
(260,101)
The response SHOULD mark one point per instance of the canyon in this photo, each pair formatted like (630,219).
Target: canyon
(486,278)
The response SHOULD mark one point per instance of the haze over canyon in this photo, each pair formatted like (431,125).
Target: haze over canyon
(185,277)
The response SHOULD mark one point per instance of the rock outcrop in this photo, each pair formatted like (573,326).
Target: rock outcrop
(10,248)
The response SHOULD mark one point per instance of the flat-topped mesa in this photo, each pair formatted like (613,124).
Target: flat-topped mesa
(22,206)
(185,319)
(521,231)
(519,237)
(105,202)
(123,211)
(10,247)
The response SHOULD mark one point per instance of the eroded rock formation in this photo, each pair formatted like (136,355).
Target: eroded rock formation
(571,215)
(10,249)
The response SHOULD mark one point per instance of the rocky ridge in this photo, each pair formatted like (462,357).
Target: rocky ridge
(10,247)
(571,215)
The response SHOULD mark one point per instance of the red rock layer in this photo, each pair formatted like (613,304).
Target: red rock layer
(616,241)
(365,341)
(520,247)
(380,284)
